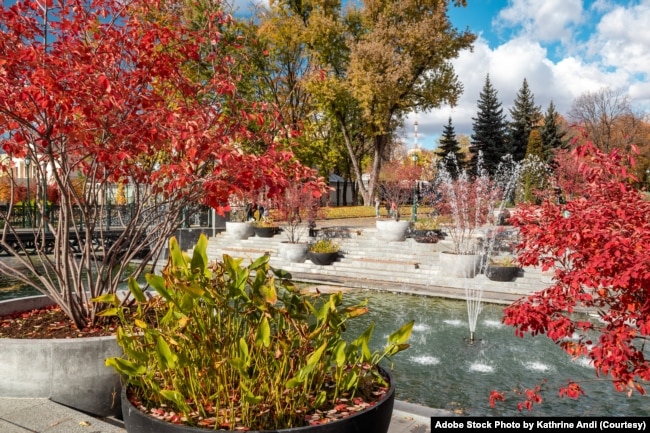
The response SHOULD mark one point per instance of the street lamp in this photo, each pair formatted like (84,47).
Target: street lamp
(45,198)
(414,209)
(28,162)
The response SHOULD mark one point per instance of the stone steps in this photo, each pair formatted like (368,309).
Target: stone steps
(368,262)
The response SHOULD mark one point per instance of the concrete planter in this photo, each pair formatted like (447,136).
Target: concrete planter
(460,265)
(67,371)
(294,252)
(240,230)
(391,230)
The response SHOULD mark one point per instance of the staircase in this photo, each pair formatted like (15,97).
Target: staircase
(369,263)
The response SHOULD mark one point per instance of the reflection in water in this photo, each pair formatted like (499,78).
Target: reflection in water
(10,288)
(442,370)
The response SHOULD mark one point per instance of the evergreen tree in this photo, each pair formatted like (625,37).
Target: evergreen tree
(525,117)
(449,151)
(552,134)
(489,127)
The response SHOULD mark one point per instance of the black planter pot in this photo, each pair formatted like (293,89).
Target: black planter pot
(323,259)
(501,273)
(265,232)
(375,419)
(426,236)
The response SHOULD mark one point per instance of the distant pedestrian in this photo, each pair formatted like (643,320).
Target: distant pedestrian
(377,204)
(393,210)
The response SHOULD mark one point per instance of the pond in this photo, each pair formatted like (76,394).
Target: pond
(442,370)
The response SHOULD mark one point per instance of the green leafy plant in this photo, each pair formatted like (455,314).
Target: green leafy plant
(265,222)
(324,246)
(427,224)
(503,261)
(234,347)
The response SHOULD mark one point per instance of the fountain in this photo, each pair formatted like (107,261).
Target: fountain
(438,372)
(475,204)
(473,298)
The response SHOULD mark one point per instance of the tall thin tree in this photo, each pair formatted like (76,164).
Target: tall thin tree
(525,117)
(490,126)
(552,134)
(449,151)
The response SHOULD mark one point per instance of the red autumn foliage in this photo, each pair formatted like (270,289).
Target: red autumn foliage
(397,183)
(138,94)
(598,250)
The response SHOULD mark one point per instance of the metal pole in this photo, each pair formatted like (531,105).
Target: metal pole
(29,201)
(45,219)
(414,209)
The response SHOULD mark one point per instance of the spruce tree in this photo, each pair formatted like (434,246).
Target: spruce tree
(489,127)
(525,117)
(449,151)
(552,134)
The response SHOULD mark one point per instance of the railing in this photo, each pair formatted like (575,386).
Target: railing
(112,216)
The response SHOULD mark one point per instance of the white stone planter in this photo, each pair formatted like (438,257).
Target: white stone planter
(460,265)
(295,253)
(240,230)
(391,230)
(69,371)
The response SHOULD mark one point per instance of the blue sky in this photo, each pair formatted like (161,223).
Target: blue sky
(563,48)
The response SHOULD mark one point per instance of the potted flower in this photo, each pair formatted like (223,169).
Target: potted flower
(323,252)
(226,346)
(265,228)
(502,268)
(427,230)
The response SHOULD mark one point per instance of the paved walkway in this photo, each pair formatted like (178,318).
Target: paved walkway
(39,415)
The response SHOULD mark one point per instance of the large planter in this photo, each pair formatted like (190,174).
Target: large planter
(294,252)
(265,232)
(375,419)
(240,230)
(391,230)
(70,371)
(460,265)
(323,259)
(501,273)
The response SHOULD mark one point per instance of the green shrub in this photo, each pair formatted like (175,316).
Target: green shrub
(324,246)
(427,224)
(231,346)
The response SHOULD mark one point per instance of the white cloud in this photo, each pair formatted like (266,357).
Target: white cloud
(623,40)
(548,20)
(615,56)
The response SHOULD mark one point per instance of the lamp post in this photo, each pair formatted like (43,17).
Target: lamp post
(414,209)
(45,198)
(28,162)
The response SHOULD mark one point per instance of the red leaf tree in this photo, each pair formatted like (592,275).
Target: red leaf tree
(597,245)
(398,179)
(104,93)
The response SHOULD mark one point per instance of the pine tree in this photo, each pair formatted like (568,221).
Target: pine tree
(525,117)
(552,134)
(449,151)
(489,127)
